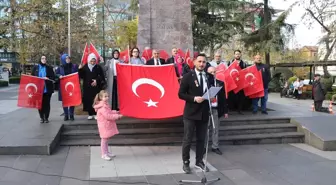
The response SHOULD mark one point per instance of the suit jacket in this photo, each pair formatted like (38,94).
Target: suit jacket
(170,60)
(222,104)
(151,61)
(50,74)
(187,92)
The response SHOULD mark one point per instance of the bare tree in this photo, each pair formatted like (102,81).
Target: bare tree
(324,13)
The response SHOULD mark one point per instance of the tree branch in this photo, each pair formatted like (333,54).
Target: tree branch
(314,17)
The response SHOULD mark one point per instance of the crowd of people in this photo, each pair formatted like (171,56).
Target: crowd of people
(100,82)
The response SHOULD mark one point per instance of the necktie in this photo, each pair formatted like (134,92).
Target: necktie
(201,82)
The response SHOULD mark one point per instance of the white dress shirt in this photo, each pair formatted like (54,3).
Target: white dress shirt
(215,103)
(204,79)
(157,61)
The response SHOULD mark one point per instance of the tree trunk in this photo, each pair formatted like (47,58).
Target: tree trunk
(326,57)
(267,58)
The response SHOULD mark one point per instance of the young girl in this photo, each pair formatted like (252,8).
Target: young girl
(106,122)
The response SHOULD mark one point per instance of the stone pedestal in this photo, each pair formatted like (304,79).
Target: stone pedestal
(164,24)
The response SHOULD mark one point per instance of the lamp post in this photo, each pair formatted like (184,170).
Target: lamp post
(104,30)
(69,29)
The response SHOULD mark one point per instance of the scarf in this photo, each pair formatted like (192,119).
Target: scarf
(42,73)
(179,64)
(90,57)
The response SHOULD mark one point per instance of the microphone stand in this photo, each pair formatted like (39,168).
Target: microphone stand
(204,179)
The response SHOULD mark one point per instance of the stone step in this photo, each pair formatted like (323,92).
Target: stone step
(257,129)
(93,125)
(253,121)
(272,138)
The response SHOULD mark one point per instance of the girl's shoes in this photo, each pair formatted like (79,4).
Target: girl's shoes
(111,155)
(106,157)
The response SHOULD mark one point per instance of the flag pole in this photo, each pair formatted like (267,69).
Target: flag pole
(69,36)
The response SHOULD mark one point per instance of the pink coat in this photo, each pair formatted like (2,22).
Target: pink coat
(106,120)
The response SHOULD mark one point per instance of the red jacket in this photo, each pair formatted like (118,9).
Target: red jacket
(106,120)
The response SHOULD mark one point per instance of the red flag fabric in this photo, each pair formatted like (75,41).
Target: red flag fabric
(258,95)
(225,77)
(30,92)
(234,69)
(164,54)
(124,55)
(253,81)
(94,51)
(147,94)
(85,54)
(189,61)
(70,89)
(147,54)
(180,52)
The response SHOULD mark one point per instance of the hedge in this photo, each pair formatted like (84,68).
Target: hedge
(3,83)
(14,80)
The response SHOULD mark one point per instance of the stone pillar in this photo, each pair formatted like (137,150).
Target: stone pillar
(164,24)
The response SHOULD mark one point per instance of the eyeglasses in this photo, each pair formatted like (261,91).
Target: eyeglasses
(135,51)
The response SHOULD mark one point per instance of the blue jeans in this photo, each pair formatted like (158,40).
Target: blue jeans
(69,111)
(263,102)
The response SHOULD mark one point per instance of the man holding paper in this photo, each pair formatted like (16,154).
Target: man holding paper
(196,112)
(218,107)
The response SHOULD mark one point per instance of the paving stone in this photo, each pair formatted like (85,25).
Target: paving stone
(8,160)
(12,183)
(29,163)
(3,172)
(17,176)
(78,163)
(161,179)
(44,180)
(141,180)
(51,166)
(240,177)
(66,181)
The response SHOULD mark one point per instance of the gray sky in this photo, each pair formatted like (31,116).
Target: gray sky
(304,35)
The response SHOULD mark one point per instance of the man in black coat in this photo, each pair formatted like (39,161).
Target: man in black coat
(171,60)
(196,112)
(238,98)
(156,60)
(218,107)
(319,93)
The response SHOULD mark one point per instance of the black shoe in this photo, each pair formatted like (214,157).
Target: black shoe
(66,118)
(72,118)
(42,121)
(217,151)
(254,112)
(186,167)
(200,165)
(264,112)
(46,120)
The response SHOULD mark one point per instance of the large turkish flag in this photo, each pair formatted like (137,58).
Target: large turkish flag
(253,81)
(148,92)
(30,92)
(70,89)
(225,75)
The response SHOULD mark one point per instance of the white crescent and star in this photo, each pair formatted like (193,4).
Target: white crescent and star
(31,85)
(234,70)
(142,81)
(66,87)
(250,74)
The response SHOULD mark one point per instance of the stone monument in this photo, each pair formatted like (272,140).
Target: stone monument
(164,24)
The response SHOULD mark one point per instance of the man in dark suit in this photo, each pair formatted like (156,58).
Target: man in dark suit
(171,60)
(196,112)
(219,108)
(156,60)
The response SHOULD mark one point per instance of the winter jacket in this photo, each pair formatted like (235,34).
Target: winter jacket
(65,69)
(319,91)
(266,74)
(106,117)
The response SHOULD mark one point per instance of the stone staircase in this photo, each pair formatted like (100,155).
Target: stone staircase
(170,132)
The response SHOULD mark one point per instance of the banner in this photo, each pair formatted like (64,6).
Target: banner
(30,92)
(70,89)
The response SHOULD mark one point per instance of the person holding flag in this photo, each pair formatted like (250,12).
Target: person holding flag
(93,81)
(266,78)
(43,70)
(65,69)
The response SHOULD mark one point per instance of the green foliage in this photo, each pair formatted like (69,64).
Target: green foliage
(127,33)
(14,79)
(212,30)
(3,83)
(292,79)
(327,83)
(274,85)
(329,95)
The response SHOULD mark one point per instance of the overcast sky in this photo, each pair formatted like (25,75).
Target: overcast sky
(304,35)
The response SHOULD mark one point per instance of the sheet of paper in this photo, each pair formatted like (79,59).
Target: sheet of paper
(212,92)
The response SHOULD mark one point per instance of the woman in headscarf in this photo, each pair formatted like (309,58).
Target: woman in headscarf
(181,67)
(65,69)
(135,57)
(43,70)
(93,80)
(111,74)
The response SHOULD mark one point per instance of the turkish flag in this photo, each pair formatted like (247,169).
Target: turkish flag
(224,75)
(258,95)
(30,92)
(145,93)
(70,89)
(85,54)
(124,55)
(253,81)
(94,51)
(180,52)
(147,54)
(189,61)
(164,54)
